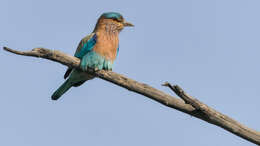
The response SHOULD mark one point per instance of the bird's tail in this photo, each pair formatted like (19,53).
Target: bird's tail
(61,90)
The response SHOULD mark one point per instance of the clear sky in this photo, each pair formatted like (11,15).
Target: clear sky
(208,47)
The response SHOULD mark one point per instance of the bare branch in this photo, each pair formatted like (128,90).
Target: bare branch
(187,98)
(191,105)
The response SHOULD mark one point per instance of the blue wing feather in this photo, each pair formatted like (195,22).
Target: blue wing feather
(86,46)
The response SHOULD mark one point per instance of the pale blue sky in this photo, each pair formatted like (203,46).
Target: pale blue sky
(208,47)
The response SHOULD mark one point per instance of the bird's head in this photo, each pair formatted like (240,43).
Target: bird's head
(113,19)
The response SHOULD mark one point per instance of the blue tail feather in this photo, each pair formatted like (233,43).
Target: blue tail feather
(61,90)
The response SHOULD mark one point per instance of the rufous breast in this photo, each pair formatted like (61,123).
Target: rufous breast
(106,45)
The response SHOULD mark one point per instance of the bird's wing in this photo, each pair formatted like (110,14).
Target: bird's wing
(85,46)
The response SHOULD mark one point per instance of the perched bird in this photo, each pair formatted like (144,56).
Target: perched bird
(97,51)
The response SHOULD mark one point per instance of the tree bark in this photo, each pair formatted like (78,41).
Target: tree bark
(186,104)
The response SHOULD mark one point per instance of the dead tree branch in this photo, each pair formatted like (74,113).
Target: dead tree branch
(188,104)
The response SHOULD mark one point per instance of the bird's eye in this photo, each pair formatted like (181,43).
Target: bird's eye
(116,19)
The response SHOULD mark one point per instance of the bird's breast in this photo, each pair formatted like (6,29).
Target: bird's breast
(107,45)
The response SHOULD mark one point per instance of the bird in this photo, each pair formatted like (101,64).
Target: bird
(97,51)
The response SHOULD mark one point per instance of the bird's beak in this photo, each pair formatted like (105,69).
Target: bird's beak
(128,24)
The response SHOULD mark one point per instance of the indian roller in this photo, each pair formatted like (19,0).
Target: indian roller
(97,50)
